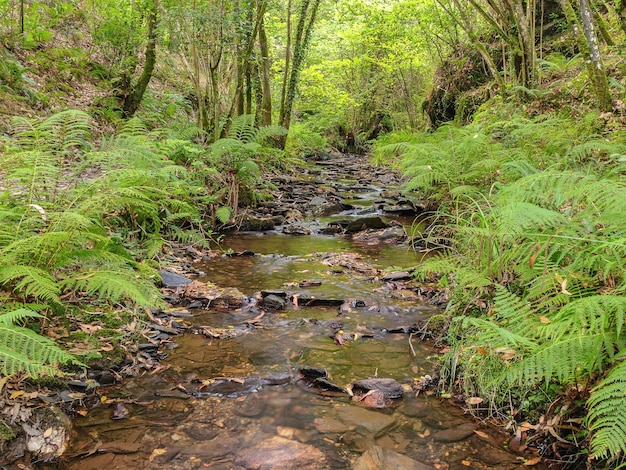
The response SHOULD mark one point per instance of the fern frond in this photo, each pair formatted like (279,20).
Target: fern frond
(607,414)
(115,285)
(29,280)
(243,129)
(21,349)
(564,359)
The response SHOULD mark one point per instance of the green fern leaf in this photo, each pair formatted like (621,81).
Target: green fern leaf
(607,414)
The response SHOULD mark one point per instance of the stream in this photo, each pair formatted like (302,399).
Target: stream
(273,382)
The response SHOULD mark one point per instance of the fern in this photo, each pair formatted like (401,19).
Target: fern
(29,280)
(115,285)
(607,415)
(23,350)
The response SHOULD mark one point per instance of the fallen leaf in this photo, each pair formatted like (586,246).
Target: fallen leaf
(474,400)
(543,319)
(531,462)
(484,435)
(47,433)
(16,394)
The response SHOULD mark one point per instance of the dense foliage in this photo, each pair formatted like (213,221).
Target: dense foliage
(507,115)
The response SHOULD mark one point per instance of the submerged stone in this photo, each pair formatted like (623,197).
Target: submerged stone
(377,458)
(286,454)
(455,434)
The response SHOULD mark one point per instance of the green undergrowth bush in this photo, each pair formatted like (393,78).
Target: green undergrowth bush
(530,234)
(87,221)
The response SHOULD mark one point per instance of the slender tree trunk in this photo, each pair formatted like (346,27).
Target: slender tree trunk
(303,36)
(266,104)
(596,70)
(283,92)
(133,99)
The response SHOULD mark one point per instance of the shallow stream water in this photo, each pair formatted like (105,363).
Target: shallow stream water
(237,403)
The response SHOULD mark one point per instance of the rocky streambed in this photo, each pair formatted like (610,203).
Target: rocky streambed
(300,342)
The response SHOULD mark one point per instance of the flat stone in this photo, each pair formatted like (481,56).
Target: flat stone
(397,276)
(415,409)
(455,434)
(171,279)
(365,223)
(330,425)
(278,452)
(389,387)
(377,458)
(373,421)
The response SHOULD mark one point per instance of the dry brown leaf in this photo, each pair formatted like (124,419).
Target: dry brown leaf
(484,435)
(47,433)
(531,462)
(543,319)
(474,400)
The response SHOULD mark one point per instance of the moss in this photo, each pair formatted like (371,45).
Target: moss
(54,383)
(6,434)
(438,324)
(108,359)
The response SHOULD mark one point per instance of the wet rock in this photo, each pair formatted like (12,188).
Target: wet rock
(48,434)
(251,407)
(317,201)
(393,234)
(312,372)
(313,302)
(331,426)
(389,387)
(274,302)
(455,434)
(401,209)
(397,276)
(119,411)
(372,421)
(278,452)
(377,458)
(365,223)
(258,224)
(279,293)
(230,388)
(201,433)
(415,408)
(277,379)
(296,230)
(171,279)
(374,399)
(390,194)
(328,208)
(240,253)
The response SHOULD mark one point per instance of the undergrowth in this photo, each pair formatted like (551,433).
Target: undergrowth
(85,222)
(530,235)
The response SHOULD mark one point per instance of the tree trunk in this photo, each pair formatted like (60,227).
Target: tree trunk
(266,104)
(303,36)
(133,99)
(596,69)
(621,11)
